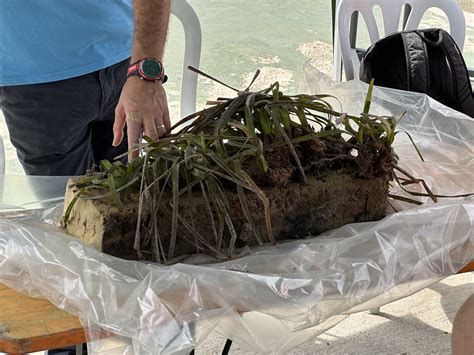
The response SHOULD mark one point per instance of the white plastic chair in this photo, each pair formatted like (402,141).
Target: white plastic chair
(192,56)
(391,13)
(192,53)
(2,157)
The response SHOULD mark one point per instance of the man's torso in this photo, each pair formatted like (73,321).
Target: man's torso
(50,40)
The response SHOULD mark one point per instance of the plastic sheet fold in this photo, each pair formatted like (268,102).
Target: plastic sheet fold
(276,297)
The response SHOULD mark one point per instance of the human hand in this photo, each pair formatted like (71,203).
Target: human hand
(143,107)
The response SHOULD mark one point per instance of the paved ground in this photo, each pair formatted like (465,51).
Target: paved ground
(419,324)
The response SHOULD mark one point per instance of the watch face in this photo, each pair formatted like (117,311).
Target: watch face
(151,68)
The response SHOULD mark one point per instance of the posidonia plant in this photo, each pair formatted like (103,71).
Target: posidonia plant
(229,147)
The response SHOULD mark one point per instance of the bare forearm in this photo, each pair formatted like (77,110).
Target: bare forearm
(151,27)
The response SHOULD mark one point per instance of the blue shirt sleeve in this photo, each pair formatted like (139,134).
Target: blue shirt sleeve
(49,40)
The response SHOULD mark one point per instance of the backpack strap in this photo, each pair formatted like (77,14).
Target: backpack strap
(461,81)
(418,69)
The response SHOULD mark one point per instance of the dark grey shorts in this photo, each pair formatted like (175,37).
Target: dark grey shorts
(65,127)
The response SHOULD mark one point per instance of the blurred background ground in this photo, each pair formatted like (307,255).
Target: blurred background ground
(419,324)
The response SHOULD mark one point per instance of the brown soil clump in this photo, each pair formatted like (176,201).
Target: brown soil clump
(328,201)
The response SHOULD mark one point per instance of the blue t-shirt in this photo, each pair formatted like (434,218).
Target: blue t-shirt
(50,40)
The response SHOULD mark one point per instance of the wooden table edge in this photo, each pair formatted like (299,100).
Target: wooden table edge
(48,342)
(469,267)
(44,342)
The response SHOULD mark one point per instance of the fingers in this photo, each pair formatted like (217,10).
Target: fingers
(119,124)
(137,124)
(134,133)
(166,118)
(150,128)
(155,128)
(164,123)
(143,108)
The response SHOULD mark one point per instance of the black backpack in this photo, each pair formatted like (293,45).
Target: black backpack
(426,61)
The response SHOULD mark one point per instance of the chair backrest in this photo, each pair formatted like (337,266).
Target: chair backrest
(192,53)
(391,14)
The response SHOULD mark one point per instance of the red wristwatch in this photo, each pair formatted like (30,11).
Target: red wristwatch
(149,69)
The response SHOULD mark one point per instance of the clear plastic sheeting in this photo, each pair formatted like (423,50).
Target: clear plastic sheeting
(445,137)
(277,297)
(21,192)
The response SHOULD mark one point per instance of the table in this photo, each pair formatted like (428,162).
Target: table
(468,268)
(32,324)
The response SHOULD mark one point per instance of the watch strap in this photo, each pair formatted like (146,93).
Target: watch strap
(134,70)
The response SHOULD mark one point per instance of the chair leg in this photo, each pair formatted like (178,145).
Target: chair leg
(337,59)
(375,310)
(227,346)
(2,157)
(81,349)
